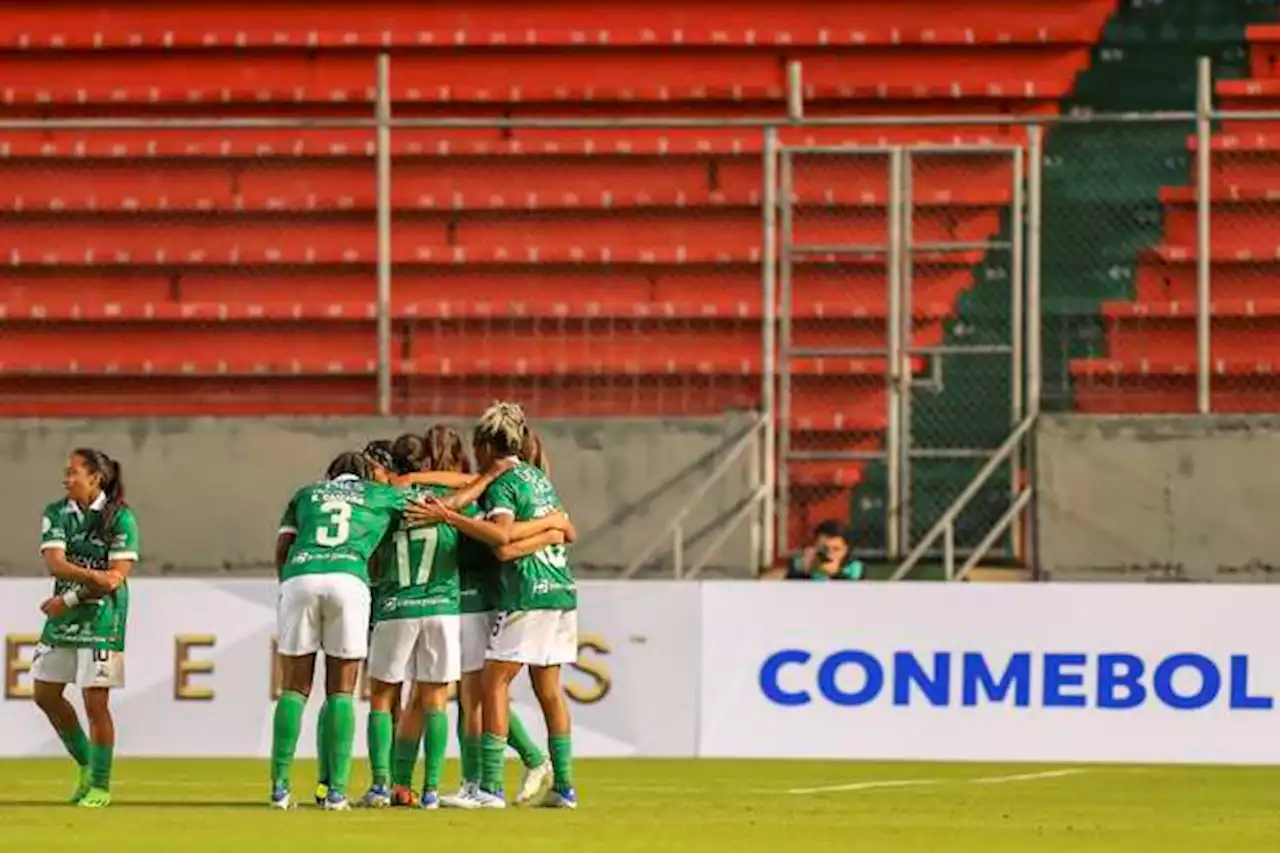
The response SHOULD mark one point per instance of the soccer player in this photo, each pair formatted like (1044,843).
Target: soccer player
(89,542)
(327,535)
(416,624)
(536,622)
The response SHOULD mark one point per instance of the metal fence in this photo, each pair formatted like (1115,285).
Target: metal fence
(1139,282)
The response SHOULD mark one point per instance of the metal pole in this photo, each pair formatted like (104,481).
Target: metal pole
(1017,355)
(795,90)
(893,361)
(1204,129)
(1035,201)
(1035,324)
(784,353)
(769,342)
(904,356)
(677,551)
(384,233)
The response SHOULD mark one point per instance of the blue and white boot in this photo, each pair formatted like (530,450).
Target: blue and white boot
(280,798)
(560,798)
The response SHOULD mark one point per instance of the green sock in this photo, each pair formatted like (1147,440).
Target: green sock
(100,756)
(381,733)
(284,737)
(436,741)
(77,744)
(322,754)
(342,735)
(524,745)
(472,758)
(406,756)
(493,752)
(561,748)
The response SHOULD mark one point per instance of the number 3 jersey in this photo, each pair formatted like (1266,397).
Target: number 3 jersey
(338,524)
(416,568)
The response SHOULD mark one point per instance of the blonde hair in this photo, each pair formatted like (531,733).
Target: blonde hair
(503,427)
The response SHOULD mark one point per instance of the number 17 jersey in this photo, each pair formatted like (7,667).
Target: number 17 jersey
(417,568)
(338,524)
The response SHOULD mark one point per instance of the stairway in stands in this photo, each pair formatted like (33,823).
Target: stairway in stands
(585,272)
(1120,228)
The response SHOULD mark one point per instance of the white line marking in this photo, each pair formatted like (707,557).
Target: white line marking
(865,786)
(1029,777)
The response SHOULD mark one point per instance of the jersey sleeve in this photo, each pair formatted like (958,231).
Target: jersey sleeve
(289,520)
(124,537)
(500,498)
(53,533)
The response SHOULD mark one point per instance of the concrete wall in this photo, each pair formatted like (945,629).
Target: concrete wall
(209,492)
(1159,498)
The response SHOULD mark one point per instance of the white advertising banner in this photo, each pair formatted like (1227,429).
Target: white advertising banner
(999,672)
(200,680)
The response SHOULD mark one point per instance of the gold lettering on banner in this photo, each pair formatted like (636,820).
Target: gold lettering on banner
(16,665)
(594,669)
(184,668)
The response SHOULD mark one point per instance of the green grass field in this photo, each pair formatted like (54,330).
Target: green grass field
(695,806)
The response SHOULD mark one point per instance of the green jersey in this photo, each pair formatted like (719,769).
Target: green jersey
(338,524)
(542,580)
(477,576)
(417,568)
(99,623)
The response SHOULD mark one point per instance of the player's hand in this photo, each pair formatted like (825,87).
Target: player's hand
(114,580)
(560,521)
(53,606)
(429,511)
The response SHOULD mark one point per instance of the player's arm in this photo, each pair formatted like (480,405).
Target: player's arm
(448,479)
(525,547)
(286,534)
(556,521)
(55,561)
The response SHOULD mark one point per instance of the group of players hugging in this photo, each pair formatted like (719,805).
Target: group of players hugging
(401,559)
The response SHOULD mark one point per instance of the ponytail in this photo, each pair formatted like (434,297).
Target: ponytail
(111,481)
(444,450)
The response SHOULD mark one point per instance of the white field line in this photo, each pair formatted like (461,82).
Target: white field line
(1029,777)
(865,786)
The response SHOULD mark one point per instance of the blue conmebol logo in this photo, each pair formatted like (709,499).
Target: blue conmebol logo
(1185,681)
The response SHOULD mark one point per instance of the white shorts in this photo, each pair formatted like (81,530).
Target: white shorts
(428,649)
(324,612)
(84,668)
(477,630)
(535,637)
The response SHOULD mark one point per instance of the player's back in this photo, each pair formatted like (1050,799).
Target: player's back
(544,579)
(338,525)
(417,567)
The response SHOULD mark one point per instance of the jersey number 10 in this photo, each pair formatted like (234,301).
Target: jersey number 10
(410,575)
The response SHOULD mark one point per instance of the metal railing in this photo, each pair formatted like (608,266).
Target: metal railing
(752,441)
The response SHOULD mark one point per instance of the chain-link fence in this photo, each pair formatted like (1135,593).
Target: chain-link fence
(186,272)
(1119,268)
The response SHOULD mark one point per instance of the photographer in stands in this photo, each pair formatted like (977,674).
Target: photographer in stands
(826,558)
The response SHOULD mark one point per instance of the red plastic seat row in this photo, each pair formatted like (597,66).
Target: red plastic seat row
(523,186)
(340,144)
(334,25)
(97,86)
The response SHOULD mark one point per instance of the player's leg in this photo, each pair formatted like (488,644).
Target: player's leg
(474,632)
(404,755)
(344,637)
(505,656)
(99,672)
(298,640)
(535,769)
(390,646)
(558,645)
(438,662)
(52,670)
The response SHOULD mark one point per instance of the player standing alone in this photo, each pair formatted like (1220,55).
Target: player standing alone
(89,541)
(536,625)
(327,535)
